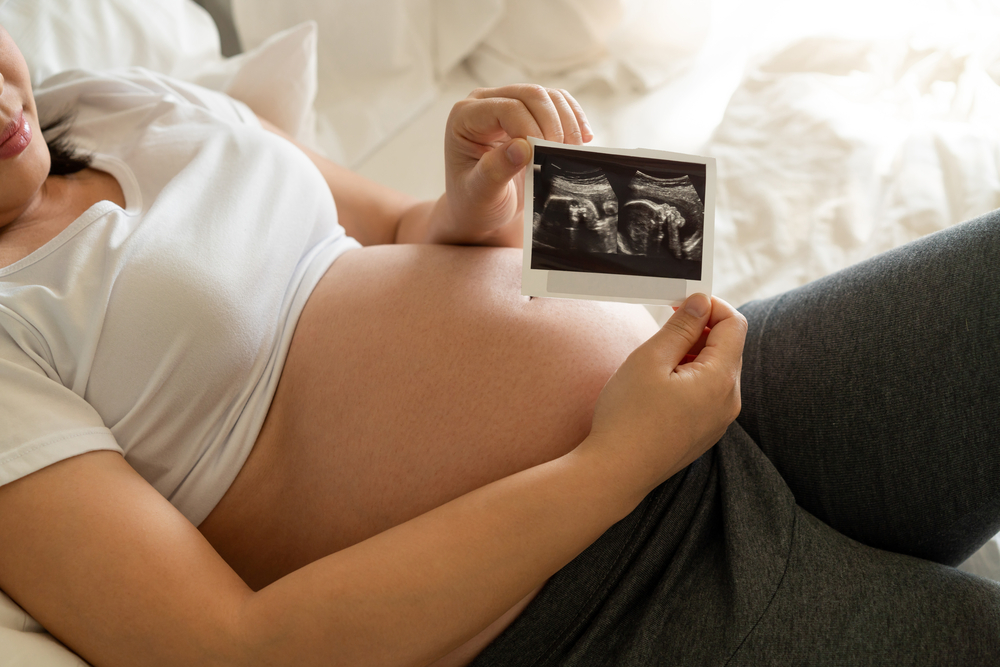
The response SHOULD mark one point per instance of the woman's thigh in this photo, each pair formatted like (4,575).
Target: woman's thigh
(416,374)
(875,392)
(843,603)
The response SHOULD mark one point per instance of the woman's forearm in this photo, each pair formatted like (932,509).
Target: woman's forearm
(375,214)
(432,222)
(423,588)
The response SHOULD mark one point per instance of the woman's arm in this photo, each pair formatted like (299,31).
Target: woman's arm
(485,157)
(115,572)
(112,570)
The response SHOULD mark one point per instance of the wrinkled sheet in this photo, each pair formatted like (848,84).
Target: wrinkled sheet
(833,150)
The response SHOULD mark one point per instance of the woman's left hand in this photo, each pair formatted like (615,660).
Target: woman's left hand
(486,153)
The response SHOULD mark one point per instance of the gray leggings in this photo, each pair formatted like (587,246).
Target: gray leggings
(822,528)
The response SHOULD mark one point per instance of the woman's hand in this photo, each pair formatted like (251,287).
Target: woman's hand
(656,415)
(486,153)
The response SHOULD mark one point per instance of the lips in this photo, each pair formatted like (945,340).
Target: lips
(15,137)
(12,128)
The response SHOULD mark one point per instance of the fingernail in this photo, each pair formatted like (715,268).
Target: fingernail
(517,152)
(697,304)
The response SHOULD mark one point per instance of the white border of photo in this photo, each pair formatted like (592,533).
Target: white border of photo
(622,287)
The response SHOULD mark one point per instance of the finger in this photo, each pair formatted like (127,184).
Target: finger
(681,331)
(722,310)
(495,169)
(572,134)
(581,117)
(537,102)
(699,345)
(492,120)
(723,346)
(726,310)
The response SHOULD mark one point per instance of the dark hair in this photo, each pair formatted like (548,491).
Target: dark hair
(66,159)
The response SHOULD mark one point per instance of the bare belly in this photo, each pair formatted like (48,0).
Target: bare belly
(416,374)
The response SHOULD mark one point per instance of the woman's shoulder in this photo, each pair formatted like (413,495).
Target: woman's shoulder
(108,103)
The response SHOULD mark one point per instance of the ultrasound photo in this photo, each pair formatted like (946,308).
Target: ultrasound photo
(580,212)
(617,214)
(662,215)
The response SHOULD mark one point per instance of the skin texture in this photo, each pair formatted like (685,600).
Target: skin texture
(491,385)
(35,207)
(23,195)
(408,456)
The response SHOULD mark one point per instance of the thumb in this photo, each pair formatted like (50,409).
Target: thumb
(498,166)
(680,333)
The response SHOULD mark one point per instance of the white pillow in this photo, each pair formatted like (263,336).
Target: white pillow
(173,37)
(277,79)
(639,43)
(547,37)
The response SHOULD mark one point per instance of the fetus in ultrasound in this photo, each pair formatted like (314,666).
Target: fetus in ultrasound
(580,213)
(662,216)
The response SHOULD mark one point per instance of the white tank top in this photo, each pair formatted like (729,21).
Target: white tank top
(160,330)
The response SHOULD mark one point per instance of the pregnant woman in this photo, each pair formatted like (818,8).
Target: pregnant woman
(253,411)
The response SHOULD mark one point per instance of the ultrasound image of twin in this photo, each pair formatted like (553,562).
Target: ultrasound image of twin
(656,217)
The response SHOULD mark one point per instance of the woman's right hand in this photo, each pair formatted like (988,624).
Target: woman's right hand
(657,415)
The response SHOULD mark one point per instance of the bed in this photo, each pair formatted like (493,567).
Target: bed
(840,131)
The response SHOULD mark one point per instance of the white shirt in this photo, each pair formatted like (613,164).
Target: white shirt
(160,331)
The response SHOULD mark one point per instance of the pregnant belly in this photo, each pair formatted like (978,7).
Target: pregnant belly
(416,374)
